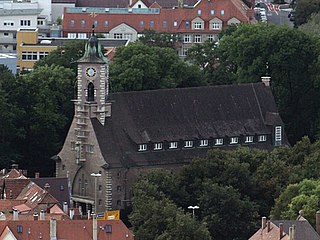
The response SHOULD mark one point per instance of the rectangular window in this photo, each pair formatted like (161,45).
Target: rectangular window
(187,24)
(141,23)
(216,26)
(184,51)
(71,23)
(234,140)
(32,56)
(197,38)
(89,148)
(249,139)
(173,145)
(25,23)
(262,138)
(83,23)
(157,146)
(211,38)
(188,144)
(73,146)
(72,35)
(106,23)
(204,143)
(127,36)
(199,12)
(222,12)
(142,147)
(175,23)
(117,36)
(197,25)
(187,38)
(218,142)
(212,12)
(82,35)
(278,135)
(5,34)
(95,23)
(151,24)
(164,24)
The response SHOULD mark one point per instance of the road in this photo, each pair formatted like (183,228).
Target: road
(277,14)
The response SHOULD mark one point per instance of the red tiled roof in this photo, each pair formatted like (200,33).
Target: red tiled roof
(13,187)
(66,229)
(231,9)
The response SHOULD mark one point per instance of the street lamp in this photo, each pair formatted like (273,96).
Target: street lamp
(95,175)
(193,208)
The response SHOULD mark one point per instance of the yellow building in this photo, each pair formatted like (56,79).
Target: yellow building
(31,48)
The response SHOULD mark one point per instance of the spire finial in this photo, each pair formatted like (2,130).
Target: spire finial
(92,29)
(267,68)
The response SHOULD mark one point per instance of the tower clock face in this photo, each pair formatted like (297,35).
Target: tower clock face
(91,72)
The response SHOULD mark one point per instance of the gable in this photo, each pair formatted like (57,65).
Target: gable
(123,28)
(7,234)
(233,21)
(139,4)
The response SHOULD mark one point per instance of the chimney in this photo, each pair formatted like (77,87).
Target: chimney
(281,230)
(15,215)
(35,216)
(88,213)
(37,175)
(180,3)
(268,226)
(15,166)
(290,233)
(264,222)
(94,227)
(47,187)
(42,215)
(20,172)
(71,214)
(266,81)
(318,222)
(65,207)
(53,229)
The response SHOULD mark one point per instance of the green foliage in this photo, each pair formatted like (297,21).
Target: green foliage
(312,26)
(304,9)
(43,96)
(154,216)
(162,39)
(304,195)
(66,55)
(141,67)
(292,58)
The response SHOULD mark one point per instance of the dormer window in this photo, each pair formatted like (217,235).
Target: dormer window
(278,135)
(222,12)
(188,144)
(234,140)
(173,145)
(175,23)
(249,139)
(204,143)
(218,142)
(157,146)
(142,147)
(216,25)
(199,12)
(262,138)
(198,25)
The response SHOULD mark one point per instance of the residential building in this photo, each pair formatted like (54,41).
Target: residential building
(116,137)
(299,229)
(64,229)
(22,14)
(31,47)
(201,22)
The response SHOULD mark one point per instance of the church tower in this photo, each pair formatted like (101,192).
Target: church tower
(92,92)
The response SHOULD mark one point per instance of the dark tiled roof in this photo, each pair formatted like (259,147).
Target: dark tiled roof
(58,188)
(181,114)
(304,231)
(64,1)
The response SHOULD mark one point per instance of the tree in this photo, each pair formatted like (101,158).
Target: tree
(44,97)
(304,195)
(162,39)
(304,9)
(141,67)
(229,215)
(291,57)
(312,26)
(66,55)
(154,216)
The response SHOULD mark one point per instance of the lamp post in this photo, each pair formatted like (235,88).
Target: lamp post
(95,175)
(193,208)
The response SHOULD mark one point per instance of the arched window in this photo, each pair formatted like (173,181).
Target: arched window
(90,97)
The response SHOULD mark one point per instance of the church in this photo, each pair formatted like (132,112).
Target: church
(116,137)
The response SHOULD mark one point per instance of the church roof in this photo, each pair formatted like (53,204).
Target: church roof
(93,51)
(183,114)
